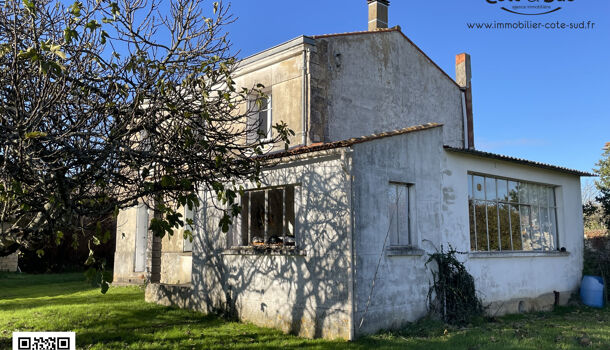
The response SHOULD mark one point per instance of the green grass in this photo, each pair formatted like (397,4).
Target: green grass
(122,320)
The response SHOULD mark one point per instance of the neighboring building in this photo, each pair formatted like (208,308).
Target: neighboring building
(340,211)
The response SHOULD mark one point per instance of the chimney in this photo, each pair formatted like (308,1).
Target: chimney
(378,14)
(463,75)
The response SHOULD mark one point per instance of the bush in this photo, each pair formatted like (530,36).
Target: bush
(453,295)
(597,257)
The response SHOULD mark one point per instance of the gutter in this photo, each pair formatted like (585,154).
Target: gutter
(348,165)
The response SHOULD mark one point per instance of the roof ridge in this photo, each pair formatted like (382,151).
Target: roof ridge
(321,146)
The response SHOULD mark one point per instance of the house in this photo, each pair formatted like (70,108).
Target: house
(383,172)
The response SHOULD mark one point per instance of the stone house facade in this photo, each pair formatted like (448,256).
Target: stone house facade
(334,242)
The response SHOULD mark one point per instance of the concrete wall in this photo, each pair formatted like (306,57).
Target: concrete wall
(9,263)
(401,283)
(176,264)
(371,83)
(305,291)
(513,282)
(124,255)
(507,282)
(280,70)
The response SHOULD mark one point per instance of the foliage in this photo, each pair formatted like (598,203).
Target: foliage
(452,294)
(603,185)
(121,319)
(597,258)
(107,104)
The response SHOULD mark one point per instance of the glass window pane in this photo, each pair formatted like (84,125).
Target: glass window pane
(481,225)
(545,226)
(515,227)
(553,224)
(502,190)
(275,218)
(513,191)
(505,233)
(536,233)
(550,192)
(263,122)
(245,204)
(490,189)
(290,211)
(479,187)
(469,187)
(492,226)
(473,235)
(526,229)
(257,217)
(523,193)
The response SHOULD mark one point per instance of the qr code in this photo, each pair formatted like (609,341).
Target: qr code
(44,341)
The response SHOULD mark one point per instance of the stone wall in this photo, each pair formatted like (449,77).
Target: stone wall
(10,262)
(305,290)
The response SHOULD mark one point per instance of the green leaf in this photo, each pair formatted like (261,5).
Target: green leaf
(92,25)
(35,135)
(40,253)
(30,6)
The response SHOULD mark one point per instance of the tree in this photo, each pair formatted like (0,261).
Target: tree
(603,185)
(104,104)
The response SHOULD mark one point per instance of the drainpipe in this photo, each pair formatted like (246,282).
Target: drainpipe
(304,97)
(348,165)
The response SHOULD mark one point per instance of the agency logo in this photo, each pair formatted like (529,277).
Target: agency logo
(530,7)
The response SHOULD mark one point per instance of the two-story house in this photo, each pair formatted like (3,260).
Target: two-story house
(383,172)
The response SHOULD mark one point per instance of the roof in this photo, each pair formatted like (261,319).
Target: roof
(345,143)
(517,160)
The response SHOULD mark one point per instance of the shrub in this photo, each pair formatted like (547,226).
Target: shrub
(452,295)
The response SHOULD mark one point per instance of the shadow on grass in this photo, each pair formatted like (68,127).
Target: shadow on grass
(122,320)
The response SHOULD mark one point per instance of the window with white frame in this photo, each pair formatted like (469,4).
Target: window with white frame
(267,218)
(400,214)
(511,215)
(260,118)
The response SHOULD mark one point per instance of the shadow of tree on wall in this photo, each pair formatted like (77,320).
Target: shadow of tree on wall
(302,294)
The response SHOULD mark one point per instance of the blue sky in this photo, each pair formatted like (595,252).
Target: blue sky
(542,95)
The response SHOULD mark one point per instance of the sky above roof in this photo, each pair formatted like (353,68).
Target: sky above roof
(539,94)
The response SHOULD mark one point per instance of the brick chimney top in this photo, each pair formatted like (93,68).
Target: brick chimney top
(378,14)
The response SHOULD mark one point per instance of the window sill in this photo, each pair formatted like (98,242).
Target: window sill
(265,250)
(404,251)
(518,254)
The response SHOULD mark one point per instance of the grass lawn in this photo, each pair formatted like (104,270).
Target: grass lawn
(122,320)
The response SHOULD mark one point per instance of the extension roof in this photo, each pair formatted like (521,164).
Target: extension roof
(483,154)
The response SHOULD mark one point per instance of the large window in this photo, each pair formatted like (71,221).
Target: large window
(260,119)
(510,215)
(267,218)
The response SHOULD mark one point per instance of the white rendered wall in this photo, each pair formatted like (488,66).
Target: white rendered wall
(509,276)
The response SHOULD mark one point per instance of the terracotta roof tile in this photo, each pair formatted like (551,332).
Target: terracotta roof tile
(346,143)
(517,160)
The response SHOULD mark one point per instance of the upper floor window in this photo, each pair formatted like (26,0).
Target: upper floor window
(261,118)
(511,215)
(267,218)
